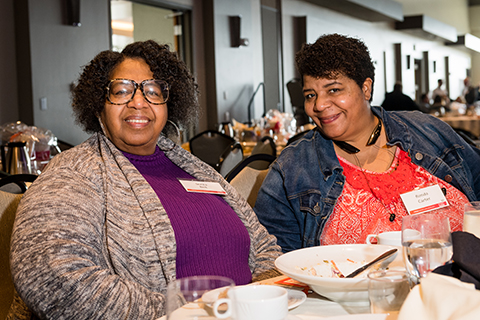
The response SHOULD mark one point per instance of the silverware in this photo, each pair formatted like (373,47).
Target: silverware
(371,263)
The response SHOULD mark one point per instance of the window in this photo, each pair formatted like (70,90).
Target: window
(132,21)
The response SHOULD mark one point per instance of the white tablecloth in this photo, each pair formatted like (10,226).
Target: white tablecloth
(317,307)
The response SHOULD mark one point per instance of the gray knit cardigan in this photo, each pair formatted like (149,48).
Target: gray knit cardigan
(92,240)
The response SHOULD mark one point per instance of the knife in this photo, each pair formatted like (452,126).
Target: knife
(371,263)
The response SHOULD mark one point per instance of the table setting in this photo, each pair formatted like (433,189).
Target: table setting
(421,272)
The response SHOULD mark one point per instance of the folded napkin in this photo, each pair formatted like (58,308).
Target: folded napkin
(466,259)
(440,297)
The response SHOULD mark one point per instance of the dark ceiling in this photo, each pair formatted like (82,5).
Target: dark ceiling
(474,2)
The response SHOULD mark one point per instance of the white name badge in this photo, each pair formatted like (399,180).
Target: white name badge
(202,186)
(424,200)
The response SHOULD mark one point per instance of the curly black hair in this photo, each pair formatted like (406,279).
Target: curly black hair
(89,95)
(334,54)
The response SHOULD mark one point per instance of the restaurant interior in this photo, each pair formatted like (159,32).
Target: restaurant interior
(242,55)
(241,52)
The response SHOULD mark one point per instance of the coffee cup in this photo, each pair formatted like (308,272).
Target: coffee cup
(391,238)
(254,302)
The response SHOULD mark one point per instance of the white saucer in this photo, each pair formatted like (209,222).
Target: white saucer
(295,298)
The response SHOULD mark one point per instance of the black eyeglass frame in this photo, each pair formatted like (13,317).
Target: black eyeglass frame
(136,86)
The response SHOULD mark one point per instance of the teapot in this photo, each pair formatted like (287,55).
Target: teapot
(17,160)
(226,128)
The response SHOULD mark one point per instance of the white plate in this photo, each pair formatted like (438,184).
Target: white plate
(336,289)
(295,297)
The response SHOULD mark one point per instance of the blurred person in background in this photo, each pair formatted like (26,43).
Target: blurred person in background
(424,104)
(439,91)
(397,100)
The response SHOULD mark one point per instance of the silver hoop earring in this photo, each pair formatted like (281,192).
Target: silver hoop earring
(101,126)
(177,130)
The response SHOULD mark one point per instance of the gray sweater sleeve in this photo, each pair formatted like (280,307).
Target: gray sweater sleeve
(59,263)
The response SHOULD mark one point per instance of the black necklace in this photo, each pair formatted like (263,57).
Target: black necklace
(348,148)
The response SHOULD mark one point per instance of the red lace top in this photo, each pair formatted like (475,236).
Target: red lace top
(364,207)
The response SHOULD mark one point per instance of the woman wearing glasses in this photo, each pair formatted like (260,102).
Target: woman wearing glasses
(109,223)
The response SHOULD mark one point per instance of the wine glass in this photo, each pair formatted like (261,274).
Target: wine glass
(471,218)
(198,297)
(426,243)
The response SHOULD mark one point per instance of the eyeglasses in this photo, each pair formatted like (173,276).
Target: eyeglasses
(122,91)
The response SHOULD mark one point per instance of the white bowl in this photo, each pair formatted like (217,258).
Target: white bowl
(336,289)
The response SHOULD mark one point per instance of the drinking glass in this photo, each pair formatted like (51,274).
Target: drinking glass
(387,290)
(429,247)
(471,218)
(197,297)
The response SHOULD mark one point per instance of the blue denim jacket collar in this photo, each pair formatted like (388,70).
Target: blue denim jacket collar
(324,149)
(394,128)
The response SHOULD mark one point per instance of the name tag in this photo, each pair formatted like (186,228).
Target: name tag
(202,186)
(424,200)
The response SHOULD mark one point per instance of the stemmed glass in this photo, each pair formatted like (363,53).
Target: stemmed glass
(196,297)
(426,242)
(471,218)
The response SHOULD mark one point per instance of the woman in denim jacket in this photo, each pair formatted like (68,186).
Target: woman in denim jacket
(343,180)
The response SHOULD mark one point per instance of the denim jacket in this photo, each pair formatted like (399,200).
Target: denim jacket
(301,189)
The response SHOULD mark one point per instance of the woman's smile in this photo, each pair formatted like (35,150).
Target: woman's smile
(328,119)
(137,121)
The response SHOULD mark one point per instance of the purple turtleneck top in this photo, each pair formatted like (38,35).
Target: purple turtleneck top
(211,239)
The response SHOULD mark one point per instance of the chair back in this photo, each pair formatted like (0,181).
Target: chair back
(16,183)
(210,145)
(295,91)
(231,158)
(8,207)
(248,182)
(261,157)
(266,145)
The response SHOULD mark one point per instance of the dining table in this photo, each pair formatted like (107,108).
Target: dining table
(316,307)
(465,122)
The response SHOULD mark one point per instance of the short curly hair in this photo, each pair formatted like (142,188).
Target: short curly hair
(334,54)
(89,95)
